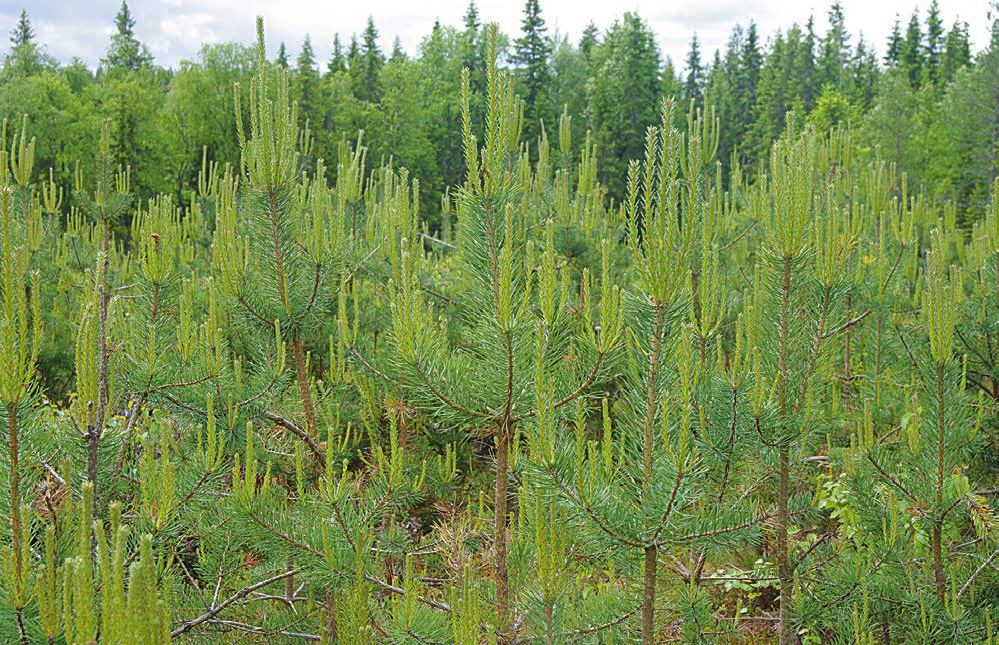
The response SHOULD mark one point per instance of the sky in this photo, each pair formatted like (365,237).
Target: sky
(173,30)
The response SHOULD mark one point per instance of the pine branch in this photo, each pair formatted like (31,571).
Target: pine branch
(847,325)
(443,397)
(256,314)
(575,393)
(252,629)
(129,428)
(988,561)
(436,604)
(315,288)
(441,242)
(729,529)
(373,369)
(300,433)
(592,514)
(897,484)
(242,593)
(669,505)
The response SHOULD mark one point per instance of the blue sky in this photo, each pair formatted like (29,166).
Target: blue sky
(174,29)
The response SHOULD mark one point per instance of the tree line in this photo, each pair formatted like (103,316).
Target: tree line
(928,106)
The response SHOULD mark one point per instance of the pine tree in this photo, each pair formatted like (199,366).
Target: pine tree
(805,303)
(538,353)
(20,341)
(125,52)
(96,395)
(279,242)
(281,59)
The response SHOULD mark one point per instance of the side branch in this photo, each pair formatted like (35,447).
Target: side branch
(569,398)
(242,593)
(443,397)
(300,433)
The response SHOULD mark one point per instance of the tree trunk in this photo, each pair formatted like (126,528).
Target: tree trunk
(304,387)
(649,596)
(499,534)
(939,577)
(784,571)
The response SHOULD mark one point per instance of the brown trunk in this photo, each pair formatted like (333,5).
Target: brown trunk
(304,387)
(289,585)
(93,452)
(331,630)
(499,535)
(15,494)
(95,427)
(784,573)
(846,353)
(649,596)
(939,578)
(651,405)
(17,536)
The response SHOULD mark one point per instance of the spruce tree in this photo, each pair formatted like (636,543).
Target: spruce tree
(125,52)
(533,56)
(305,87)
(588,40)
(693,82)
(625,85)
(956,51)
(893,51)
(834,51)
(338,61)
(371,62)
(912,56)
(934,41)
(398,55)
(25,57)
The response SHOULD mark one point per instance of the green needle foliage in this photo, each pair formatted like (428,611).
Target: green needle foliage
(277,406)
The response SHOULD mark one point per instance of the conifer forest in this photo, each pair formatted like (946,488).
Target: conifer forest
(509,340)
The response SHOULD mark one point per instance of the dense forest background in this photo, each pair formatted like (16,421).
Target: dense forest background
(927,105)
